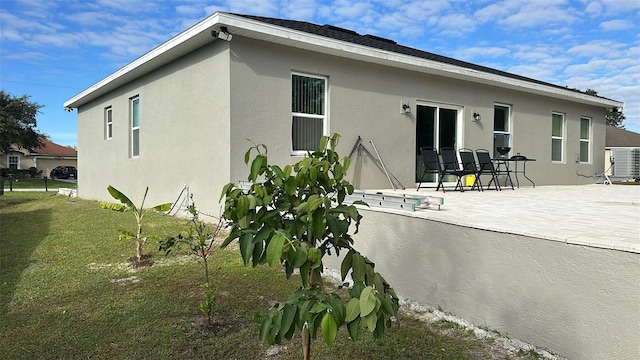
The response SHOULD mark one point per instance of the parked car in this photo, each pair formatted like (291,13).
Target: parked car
(64,172)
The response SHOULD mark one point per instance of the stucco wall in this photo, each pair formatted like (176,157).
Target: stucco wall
(365,99)
(184,133)
(580,302)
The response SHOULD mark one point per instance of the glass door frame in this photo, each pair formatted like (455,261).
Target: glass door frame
(458,127)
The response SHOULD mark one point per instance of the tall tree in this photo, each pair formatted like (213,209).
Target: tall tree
(614,116)
(18,122)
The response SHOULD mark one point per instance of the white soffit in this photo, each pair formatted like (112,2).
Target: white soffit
(199,35)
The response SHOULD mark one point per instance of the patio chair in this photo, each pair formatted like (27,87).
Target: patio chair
(451,166)
(486,168)
(468,161)
(431,163)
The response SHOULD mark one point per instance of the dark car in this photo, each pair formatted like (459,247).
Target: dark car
(64,172)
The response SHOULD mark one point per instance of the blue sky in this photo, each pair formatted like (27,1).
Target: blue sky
(53,50)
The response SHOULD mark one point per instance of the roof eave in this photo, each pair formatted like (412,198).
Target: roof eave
(199,34)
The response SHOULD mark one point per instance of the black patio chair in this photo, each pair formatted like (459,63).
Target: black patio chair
(451,166)
(468,162)
(431,163)
(485,167)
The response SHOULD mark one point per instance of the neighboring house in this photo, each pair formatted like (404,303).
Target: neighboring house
(186,112)
(622,154)
(44,158)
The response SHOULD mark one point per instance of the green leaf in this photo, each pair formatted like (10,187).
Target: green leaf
(290,185)
(116,194)
(125,235)
(162,207)
(304,274)
(370,321)
(346,264)
(246,247)
(113,206)
(256,166)
(242,207)
(247,155)
(358,266)
(346,163)
(387,305)
(288,317)
(318,223)
(301,255)
(353,310)
(329,328)
(379,331)
(367,301)
(265,328)
(354,328)
(274,249)
(323,143)
(314,256)
(258,249)
(225,190)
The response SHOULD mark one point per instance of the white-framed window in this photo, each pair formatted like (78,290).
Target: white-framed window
(135,126)
(13,162)
(557,137)
(501,127)
(108,123)
(308,112)
(585,140)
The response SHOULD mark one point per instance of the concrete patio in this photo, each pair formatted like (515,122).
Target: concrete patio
(593,215)
(554,266)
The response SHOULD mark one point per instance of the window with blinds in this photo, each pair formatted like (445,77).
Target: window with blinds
(308,112)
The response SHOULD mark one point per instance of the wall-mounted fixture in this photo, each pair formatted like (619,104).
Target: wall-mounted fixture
(405,109)
(222,34)
(476,116)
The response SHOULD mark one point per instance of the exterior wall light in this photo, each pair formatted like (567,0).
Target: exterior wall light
(476,116)
(405,109)
(223,34)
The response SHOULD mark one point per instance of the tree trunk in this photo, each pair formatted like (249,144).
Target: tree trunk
(306,343)
(139,250)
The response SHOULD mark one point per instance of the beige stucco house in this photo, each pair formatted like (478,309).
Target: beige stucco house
(186,112)
(44,158)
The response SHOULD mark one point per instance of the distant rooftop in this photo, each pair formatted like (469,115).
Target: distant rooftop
(51,148)
(622,138)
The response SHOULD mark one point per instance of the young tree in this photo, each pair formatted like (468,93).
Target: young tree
(18,122)
(295,216)
(615,117)
(138,211)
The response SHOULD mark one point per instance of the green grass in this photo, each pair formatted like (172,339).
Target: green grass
(66,292)
(38,184)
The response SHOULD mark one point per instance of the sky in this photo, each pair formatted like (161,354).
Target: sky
(52,50)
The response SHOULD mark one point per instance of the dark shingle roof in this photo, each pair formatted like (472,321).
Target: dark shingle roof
(621,138)
(373,41)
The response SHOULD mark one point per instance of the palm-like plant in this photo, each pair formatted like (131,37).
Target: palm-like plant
(127,205)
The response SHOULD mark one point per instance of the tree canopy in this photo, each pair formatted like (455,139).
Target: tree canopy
(18,122)
(615,117)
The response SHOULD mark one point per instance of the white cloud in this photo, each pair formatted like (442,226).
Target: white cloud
(472,53)
(615,25)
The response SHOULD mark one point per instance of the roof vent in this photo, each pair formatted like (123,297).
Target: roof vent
(378,38)
(335,28)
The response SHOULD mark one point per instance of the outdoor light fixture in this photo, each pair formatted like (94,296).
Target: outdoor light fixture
(476,116)
(405,109)
(223,34)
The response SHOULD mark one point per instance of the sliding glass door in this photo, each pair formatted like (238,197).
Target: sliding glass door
(437,126)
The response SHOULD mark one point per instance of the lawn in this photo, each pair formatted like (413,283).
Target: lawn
(66,292)
(38,184)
